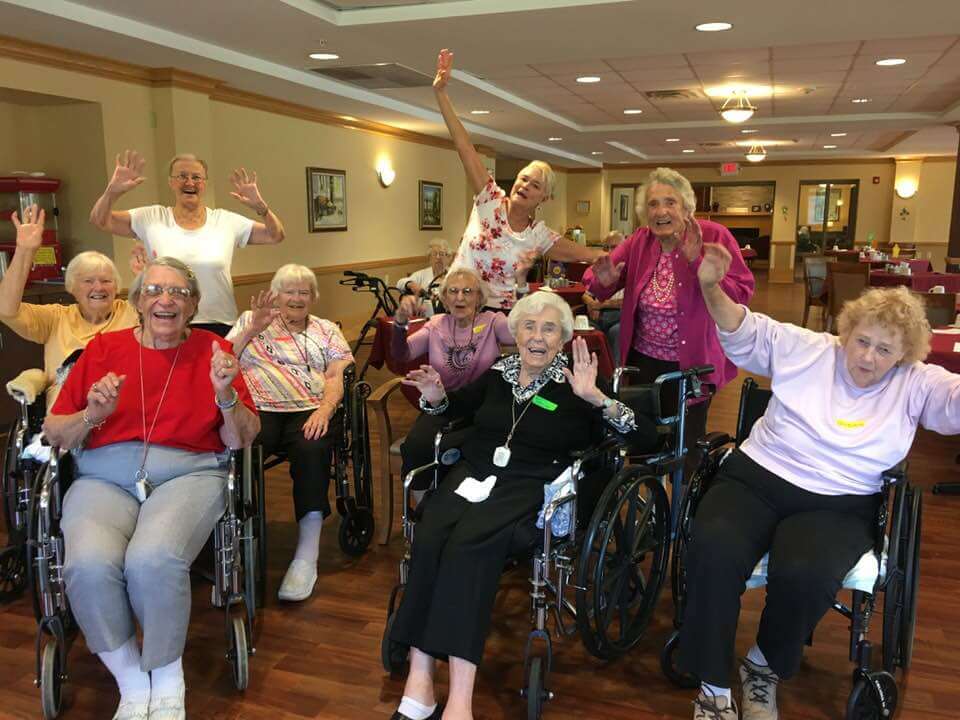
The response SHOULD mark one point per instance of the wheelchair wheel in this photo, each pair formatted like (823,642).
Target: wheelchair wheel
(669,666)
(356,532)
(900,592)
(13,572)
(535,690)
(911,582)
(239,656)
(392,655)
(874,697)
(51,680)
(622,564)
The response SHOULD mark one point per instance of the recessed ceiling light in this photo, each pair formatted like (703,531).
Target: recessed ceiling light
(829,147)
(587,79)
(838,134)
(633,111)
(747,131)
(324,56)
(714,26)
(554,139)
(860,100)
(479,112)
(672,140)
(596,152)
(890,62)
(688,150)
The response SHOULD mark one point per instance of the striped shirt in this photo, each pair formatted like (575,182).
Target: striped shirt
(284,371)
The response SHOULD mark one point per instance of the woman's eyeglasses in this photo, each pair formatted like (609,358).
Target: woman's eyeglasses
(174,291)
(466,292)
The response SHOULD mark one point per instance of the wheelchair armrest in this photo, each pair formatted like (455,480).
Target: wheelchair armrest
(895,474)
(714,440)
(607,445)
(28,385)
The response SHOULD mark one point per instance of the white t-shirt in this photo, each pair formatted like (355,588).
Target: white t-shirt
(491,247)
(423,277)
(207,250)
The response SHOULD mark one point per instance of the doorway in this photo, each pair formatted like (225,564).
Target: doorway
(826,215)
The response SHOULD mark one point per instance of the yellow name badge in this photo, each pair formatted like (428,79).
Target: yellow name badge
(479,328)
(851,424)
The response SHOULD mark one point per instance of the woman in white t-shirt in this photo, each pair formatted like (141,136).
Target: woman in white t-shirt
(204,238)
(502,228)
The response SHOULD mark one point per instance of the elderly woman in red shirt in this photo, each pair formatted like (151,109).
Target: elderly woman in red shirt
(664,323)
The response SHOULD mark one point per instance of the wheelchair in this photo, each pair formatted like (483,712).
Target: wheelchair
(351,450)
(890,567)
(239,577)
(603,579)
(19,477)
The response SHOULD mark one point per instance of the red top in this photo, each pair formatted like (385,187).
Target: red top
(189,419)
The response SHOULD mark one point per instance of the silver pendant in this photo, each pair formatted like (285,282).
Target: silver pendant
(501,456)
(142,486)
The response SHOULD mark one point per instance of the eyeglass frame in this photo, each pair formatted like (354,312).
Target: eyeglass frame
(175,292)
(183,177)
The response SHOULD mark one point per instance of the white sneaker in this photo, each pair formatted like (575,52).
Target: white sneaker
(168,707)
(759,691)
(132,710)
(299,581)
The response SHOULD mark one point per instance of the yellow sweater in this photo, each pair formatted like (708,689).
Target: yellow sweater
(61,329)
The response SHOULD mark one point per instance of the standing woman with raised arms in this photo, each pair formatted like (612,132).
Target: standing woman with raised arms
(502,230)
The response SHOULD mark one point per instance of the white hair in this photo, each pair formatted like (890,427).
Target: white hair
(86,262)
(439,243)
(464,271)
(534,304)
(549,176)
(665,176)
(293,273)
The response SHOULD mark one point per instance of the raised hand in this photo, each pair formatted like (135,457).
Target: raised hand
(138,258)
(128,173)
(583,379)
(410,306)
(223,369)
(103,396)
(715,263)
(30,231)
(428,382)
(692,241)
(263,310)
(246,189)
(606,273)
(524,262)
(318,423)
(444,67)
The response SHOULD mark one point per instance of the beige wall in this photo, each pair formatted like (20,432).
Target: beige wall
(590,187)
(8,137)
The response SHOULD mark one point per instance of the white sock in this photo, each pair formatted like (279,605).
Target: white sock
(756,657)
(124,664)
(415,710)
(716,692)
(308,544)
(168,680)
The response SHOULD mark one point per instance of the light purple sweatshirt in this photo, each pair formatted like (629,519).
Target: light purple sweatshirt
(820,431)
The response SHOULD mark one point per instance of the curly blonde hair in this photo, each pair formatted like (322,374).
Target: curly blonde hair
(895,309)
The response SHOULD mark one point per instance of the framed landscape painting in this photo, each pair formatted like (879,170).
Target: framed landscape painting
(326,199)
(431,205)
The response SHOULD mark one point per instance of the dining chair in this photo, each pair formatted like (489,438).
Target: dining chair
(814,285)
(845,281)
(941,308)
(953,264)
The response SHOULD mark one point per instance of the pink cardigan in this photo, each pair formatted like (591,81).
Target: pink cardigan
(699,344)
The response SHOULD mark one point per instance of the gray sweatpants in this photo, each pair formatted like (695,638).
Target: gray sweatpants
(124,559)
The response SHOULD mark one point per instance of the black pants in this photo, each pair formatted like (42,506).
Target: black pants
(220,329)
(695,426)
(417,448)
(813,541)
(457,558)
(309,459)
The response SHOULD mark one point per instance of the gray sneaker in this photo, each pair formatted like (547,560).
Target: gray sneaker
(759,691)
(711,707)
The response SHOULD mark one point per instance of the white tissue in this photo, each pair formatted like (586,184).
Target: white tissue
(36,450)
(476,490)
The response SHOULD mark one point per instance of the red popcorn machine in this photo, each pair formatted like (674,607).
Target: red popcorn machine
(17,192)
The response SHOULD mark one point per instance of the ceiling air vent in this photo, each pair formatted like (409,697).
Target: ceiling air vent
(382,76)
(685,94)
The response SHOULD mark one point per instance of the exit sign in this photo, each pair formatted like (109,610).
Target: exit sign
(730,168)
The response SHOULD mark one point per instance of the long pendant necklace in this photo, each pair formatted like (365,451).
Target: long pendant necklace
(142,477)
(501,455)
(459,357)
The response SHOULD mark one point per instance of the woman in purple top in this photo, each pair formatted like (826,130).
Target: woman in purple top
(664,324)
(461,345)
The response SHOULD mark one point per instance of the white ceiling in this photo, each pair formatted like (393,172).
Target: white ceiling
(519,59)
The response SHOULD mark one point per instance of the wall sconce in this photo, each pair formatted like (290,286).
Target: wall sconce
(906,188)
(386,175)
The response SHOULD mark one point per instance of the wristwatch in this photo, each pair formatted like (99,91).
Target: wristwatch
(229,404)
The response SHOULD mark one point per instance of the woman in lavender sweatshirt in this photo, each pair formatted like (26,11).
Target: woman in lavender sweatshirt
(461,345)
(804,486)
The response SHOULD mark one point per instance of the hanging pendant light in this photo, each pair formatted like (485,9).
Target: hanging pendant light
(756,154)
(737,108)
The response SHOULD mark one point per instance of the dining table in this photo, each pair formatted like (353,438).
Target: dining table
(917,281)
(945,348)
(572,293)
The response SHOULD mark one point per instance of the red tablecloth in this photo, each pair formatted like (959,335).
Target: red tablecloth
(942,353)
(918,281)
(573,294)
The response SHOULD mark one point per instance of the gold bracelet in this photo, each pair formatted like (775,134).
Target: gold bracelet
(89,423)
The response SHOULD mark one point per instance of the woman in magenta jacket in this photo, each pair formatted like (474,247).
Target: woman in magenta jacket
(664,323)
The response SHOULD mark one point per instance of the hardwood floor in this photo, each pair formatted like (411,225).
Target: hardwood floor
(320,658)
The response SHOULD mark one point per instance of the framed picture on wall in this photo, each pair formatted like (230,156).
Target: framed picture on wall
(326,199)
(431,205)
(583,207)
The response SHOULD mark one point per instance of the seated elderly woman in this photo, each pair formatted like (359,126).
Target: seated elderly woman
(153,408)
(293,363)
(461,345)
(529,412)
(91,278)
(425,282)
(804,486)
